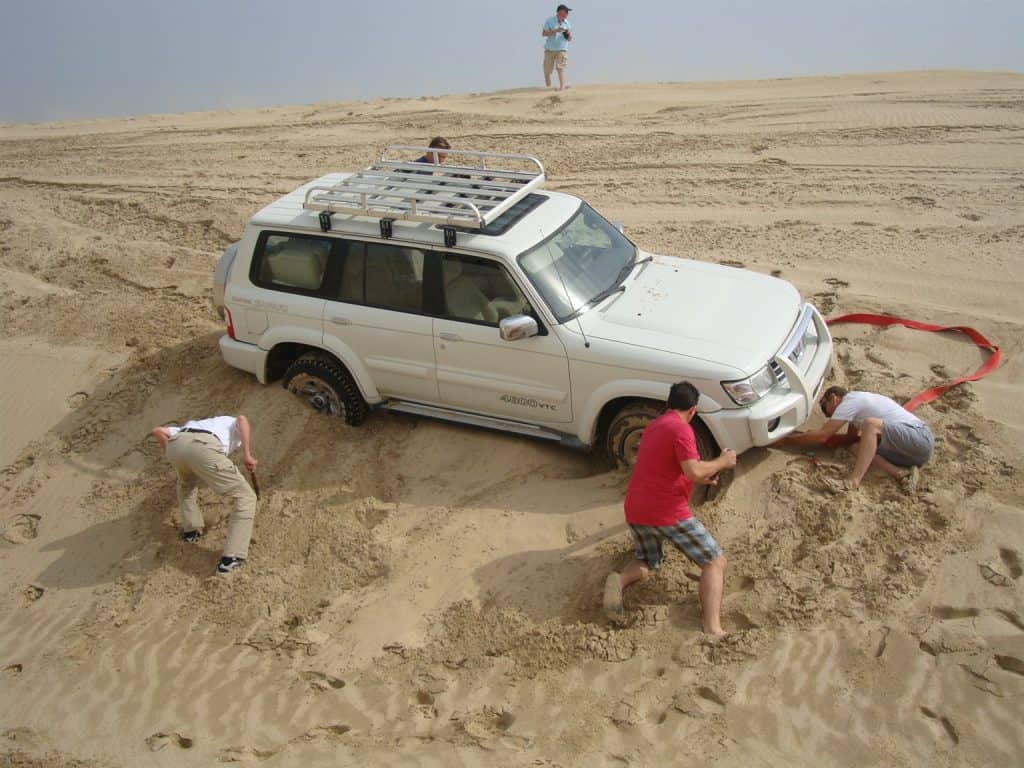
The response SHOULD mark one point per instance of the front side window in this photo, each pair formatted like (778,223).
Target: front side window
(580,264)
(292,263)
(479,291)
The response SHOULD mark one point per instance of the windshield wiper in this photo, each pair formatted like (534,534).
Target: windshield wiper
(616,287)
(604,295)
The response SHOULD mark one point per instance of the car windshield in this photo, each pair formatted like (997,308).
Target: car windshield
(580,264)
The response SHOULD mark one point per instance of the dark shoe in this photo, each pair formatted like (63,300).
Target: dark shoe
(191,537)
(228,564)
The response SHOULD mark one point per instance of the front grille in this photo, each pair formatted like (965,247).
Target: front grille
(777,372)
(798,351)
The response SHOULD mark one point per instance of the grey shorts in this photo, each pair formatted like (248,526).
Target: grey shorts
(906,445)
(689,536)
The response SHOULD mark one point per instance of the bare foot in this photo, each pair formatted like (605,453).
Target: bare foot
(715,637)
(613,607)
(910,480)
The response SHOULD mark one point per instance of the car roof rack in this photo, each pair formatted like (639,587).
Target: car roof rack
(471,190)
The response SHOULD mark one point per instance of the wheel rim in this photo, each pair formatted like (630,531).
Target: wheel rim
(318,394)
(631,446)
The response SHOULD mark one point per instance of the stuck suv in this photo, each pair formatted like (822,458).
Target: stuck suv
(467,292)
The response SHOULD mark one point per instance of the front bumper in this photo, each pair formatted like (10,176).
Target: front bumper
(790,403)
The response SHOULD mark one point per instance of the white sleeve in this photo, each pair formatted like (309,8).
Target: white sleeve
(845,411)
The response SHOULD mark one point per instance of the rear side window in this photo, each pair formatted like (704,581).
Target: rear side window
(383,275)
(293,263)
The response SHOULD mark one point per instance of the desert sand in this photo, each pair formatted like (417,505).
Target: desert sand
(426,594)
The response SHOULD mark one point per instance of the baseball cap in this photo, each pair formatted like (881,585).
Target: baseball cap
(565,8)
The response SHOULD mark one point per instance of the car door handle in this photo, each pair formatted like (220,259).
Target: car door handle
(340,320)
(450,336)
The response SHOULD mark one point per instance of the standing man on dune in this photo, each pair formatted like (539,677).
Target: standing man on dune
(199,453)
(657,507)
(557,33)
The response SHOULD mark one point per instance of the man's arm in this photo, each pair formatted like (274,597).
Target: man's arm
(810,439)
(706,472)
(162,435)
(245,435)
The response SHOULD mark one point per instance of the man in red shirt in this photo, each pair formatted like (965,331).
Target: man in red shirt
(658,507)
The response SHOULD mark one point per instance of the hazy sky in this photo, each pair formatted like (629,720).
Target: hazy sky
(84,58)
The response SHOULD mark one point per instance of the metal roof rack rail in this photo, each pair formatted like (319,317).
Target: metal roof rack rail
(470,192)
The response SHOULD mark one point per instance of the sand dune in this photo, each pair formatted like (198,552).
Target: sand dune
(426,594)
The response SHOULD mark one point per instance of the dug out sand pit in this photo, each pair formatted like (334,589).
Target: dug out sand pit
(426,594)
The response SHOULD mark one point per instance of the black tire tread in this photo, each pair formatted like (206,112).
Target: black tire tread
(338,377)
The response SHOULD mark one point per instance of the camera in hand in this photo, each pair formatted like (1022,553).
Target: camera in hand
(566,35)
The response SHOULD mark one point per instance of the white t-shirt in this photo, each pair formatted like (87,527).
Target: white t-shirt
(224,427)
(857,406)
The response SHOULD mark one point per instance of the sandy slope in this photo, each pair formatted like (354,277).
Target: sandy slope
(425,594)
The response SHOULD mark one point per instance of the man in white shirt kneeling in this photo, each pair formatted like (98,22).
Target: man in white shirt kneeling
(889,437)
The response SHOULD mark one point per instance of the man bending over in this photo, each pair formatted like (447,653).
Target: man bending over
(889,436)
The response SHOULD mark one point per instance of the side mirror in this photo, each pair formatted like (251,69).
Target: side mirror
(517,327)
(619,226)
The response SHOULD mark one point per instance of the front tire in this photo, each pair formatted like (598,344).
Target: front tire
(326,387)
(627,427)
(625,430)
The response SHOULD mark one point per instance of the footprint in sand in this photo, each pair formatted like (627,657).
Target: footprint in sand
(1012,559)
(945,722)
(319,682)
(22,527)
(244,754)
(1010,664)
(76,400)
(33,592)
(330,732)
(1005,571)
(161,739)
(12,670)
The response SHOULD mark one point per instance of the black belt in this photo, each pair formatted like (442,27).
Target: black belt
(198,431)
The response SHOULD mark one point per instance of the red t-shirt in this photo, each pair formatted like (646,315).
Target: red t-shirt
(659,492)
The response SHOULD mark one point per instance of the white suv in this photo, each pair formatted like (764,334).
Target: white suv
(465,292)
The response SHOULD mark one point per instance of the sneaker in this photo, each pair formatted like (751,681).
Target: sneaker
(228,564)
(191,537)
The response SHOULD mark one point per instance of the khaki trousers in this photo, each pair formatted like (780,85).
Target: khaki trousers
(197,458)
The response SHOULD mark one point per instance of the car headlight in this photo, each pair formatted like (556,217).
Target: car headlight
(751,389)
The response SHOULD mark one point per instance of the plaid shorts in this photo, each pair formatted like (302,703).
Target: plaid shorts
(689,536)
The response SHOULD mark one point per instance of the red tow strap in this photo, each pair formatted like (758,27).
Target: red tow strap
(928,395)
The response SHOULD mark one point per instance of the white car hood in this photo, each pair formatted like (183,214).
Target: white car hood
(722,315)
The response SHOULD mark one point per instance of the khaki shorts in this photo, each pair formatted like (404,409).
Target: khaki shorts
(555,60)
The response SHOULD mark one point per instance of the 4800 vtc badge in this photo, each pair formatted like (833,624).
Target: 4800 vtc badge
(528,402)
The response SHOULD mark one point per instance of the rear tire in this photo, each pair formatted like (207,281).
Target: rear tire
(326,387)
(623,441)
